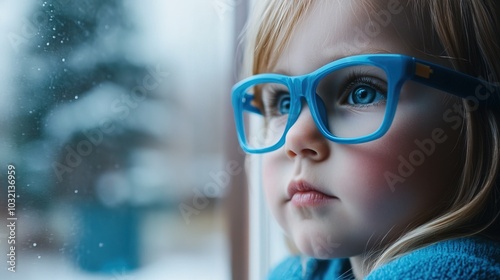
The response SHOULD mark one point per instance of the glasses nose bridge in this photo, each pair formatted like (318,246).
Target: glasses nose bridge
(302,88)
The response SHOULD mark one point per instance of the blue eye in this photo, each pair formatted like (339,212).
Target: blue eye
(365,95)
(283,104)
(276,100)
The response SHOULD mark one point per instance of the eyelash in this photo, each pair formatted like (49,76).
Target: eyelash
(271,99)
(354,79)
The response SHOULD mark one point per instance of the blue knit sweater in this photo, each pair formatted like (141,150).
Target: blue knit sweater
(464,258)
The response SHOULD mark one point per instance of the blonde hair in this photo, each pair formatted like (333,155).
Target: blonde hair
(467,31)
(268,30)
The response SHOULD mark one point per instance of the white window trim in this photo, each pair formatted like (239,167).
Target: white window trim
(267,242)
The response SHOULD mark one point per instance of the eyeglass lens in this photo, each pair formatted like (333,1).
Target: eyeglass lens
(353,104)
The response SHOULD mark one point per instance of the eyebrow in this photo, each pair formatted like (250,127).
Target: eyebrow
(361,52)
(332,58)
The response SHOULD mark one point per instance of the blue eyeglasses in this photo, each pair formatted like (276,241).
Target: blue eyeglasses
(352,100)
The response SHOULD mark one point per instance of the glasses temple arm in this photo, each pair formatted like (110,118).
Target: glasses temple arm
(247,100)
(448,80)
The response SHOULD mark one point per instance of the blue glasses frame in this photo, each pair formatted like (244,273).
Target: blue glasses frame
(399,68)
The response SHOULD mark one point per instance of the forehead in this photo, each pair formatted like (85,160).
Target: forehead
(334,29)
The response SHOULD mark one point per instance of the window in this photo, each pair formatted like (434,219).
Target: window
(113,115)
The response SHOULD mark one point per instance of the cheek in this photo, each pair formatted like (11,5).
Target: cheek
(403,177)
(361,181)
(274,174)
(270,175)
(373,207)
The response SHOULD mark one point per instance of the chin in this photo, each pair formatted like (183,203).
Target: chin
(318,246)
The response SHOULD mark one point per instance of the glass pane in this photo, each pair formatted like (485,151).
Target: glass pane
(111,129)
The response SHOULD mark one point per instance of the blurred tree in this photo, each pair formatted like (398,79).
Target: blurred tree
(77,99)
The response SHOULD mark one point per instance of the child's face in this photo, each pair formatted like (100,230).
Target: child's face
(366,194)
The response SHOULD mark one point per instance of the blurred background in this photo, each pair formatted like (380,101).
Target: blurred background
(117,118)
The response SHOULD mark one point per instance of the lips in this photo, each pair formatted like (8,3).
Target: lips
(303,194)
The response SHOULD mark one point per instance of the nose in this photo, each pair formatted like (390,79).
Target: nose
(305,140)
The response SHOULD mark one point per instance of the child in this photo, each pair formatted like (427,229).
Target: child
(378,125)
